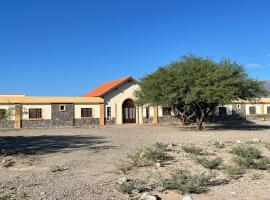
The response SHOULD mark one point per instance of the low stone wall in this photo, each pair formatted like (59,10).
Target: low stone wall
(110,121)
(168,119)
(86,122)
(148,121)
(258,117)
(7,124)
(43,123)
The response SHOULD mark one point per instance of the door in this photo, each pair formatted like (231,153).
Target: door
(129,111)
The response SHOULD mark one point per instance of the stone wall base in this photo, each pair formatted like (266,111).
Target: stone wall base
(168,119)
(147,121)
(86,122)
(43,123)
(110,121)
(7,124)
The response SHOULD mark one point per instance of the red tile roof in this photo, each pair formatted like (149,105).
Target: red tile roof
(106,87)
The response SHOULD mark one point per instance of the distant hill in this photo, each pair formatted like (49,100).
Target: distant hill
(267,86)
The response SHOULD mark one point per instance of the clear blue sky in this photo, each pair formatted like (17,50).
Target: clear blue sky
(64,47)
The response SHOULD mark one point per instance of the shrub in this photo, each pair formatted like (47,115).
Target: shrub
(124,167)
(210,164)
(219,145)
(148,155)
(261,164)
(193,150)
(234,171)
(248,152)
(267,146)
(132,186)
(184,182)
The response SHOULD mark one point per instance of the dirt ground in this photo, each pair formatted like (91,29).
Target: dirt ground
(79,163)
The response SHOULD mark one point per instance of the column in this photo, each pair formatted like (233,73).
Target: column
(102,116)
(18,116)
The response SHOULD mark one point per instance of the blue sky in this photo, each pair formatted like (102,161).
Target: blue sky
(64,47)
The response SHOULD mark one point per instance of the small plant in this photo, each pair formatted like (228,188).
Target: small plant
(148,155)
(219,145)
(129,187)
(261,164)
(267,145)
(124,167)
(58,169)
(248,152)
(210,164)
(193,150)
(185,183)
(233,171)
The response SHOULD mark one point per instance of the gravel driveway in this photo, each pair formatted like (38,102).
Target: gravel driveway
(86,157)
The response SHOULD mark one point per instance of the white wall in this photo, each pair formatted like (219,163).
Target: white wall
(95,110)
(117,97)
(46,111)
(12,110)
(258,108)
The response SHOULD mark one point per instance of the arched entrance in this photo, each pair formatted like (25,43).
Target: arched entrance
(129,111)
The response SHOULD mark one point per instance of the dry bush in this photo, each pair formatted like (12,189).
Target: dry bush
(147,156)
(210,163)
(185,183)
(193,150)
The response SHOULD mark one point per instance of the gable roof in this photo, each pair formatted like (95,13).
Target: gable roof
(106,87)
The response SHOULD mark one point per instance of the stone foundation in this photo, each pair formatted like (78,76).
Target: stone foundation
(43,123)
(110,121)
(147,121)
(86,122)
(258,117)
(7,124)
(168,119)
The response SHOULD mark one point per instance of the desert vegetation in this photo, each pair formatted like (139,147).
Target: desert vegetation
(163,167)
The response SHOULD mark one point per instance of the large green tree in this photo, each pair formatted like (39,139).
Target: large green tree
(195,86)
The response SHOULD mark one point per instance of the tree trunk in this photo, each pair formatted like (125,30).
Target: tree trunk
(182,122)
(199,121)
(199,124)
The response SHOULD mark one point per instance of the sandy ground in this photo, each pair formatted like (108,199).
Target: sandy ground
(88,157)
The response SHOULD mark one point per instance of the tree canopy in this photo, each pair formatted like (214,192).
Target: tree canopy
(194,86)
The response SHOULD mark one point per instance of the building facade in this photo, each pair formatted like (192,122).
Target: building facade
(110,103)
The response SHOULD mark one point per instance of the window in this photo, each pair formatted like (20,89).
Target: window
(147,112)
(222,111)
(3,114)
(238,106)
(252,110)
(86,112)
(35,113)
(268,109)
(62,108)
(109,113)
(166,111)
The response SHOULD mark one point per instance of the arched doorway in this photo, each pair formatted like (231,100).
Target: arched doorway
(129,111)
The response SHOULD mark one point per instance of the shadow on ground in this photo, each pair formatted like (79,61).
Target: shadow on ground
(238,125)
(49,144)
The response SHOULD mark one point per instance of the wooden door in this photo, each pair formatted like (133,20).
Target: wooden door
(129,111)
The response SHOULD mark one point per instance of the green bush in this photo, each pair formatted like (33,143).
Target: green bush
(248,152)
(193,150)
(210,164)
(234,171)
(131,186)
(261,164)
(148,155)
(219,145)
(185,183)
